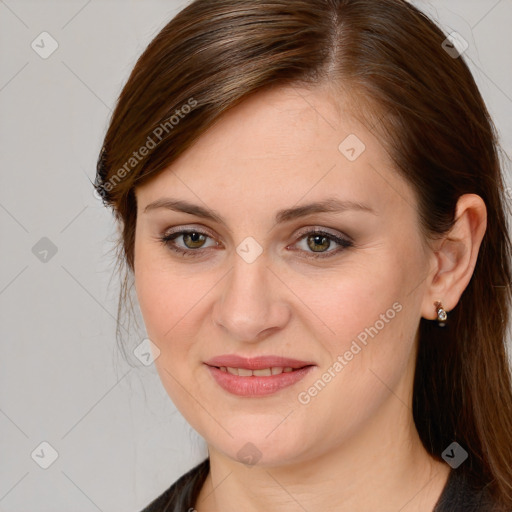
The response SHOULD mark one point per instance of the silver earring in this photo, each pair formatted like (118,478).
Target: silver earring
(441,313)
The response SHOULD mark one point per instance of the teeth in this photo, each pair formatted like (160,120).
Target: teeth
(264,372)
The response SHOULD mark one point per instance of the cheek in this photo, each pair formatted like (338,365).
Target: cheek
(169,305)
(173,300)
(158,298)
(372,315)
(161,292)
(349,302)
(165,301)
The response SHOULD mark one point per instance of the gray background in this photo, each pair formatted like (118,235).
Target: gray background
(119,439)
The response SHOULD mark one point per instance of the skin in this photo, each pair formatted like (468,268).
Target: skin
(276,150)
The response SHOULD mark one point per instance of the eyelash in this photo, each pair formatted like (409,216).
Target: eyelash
(168,241)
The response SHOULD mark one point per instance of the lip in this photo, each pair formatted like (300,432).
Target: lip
(257,386)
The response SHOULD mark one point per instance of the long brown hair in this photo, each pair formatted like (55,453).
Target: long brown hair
(424,104)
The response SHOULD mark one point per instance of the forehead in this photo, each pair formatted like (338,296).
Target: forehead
(279,147)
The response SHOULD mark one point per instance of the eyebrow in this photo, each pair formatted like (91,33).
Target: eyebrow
(330,205)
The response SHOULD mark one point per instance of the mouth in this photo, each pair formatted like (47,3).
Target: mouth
(258,376)
(263,372)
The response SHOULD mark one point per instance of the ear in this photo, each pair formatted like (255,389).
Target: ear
(454,256)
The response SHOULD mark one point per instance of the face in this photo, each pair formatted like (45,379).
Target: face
(236,267)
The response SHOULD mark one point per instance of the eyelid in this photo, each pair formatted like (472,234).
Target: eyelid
(189,228)
(320,229)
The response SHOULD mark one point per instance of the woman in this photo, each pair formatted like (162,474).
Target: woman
(313,214)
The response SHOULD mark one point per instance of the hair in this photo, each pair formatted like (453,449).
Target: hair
(430,116)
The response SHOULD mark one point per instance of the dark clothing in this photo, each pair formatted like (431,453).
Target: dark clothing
(183,501)
(458,494)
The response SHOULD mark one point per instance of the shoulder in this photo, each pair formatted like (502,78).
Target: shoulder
(182,494)
(462,494)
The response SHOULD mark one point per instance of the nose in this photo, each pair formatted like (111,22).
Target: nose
(252,303)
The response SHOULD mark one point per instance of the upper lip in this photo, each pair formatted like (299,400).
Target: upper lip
(256,363)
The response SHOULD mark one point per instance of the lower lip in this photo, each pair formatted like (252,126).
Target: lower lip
(257,386)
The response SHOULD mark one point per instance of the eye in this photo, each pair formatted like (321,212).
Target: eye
(193,241)
(319,241)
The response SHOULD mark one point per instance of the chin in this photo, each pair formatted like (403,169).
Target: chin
(254,446)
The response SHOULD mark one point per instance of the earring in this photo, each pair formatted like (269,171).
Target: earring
(441,313)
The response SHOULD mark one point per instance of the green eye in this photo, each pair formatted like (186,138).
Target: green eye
(318,243)
(193,241)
